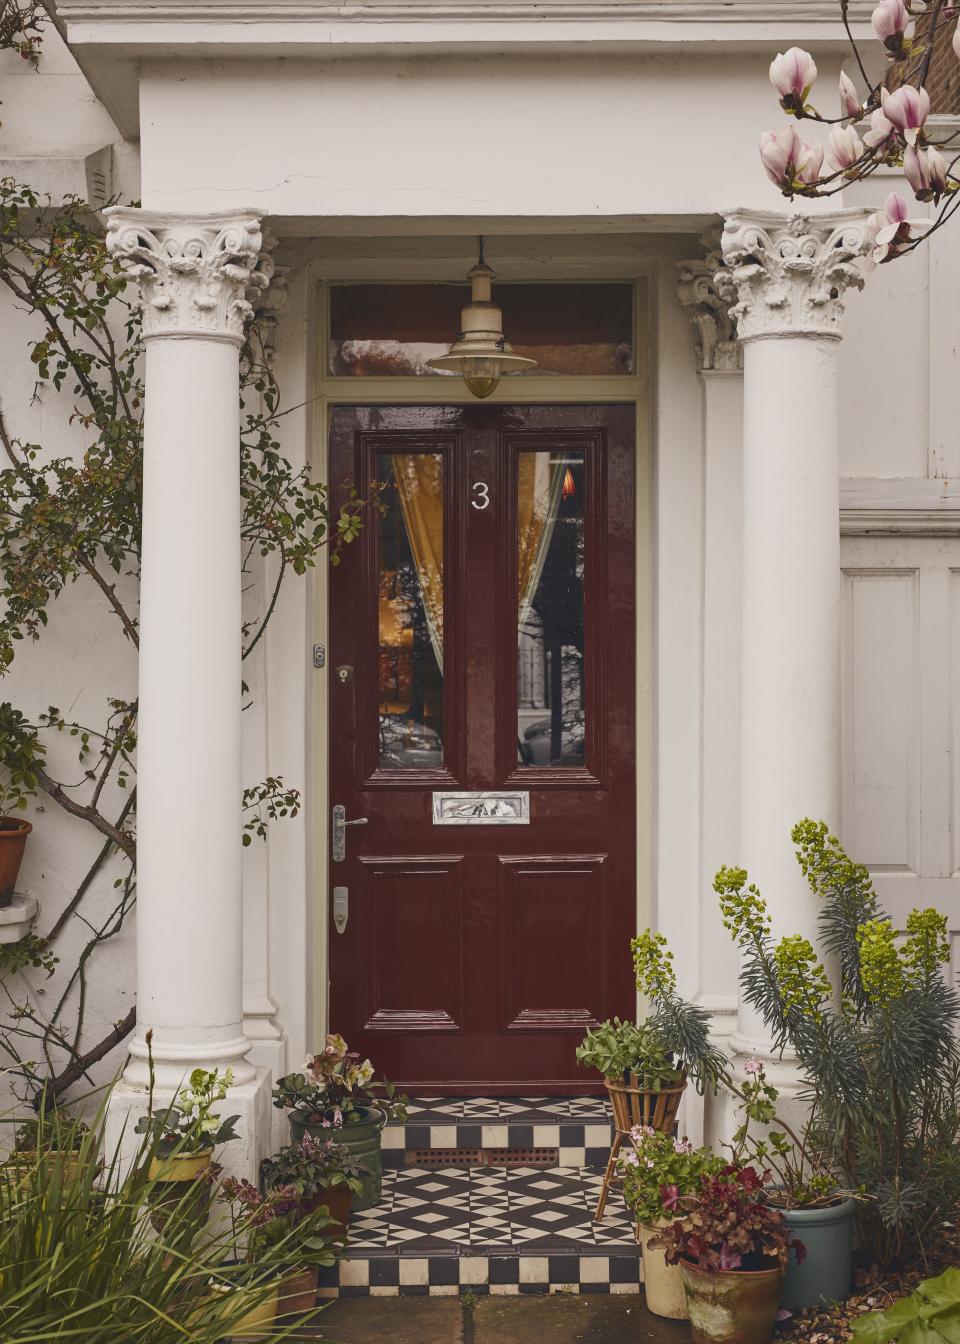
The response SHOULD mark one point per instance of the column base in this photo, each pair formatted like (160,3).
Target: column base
(782,1072)
(250,1101)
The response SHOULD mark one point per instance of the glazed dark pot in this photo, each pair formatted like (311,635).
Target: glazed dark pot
(826,1274)
(732,1306)
(362,1137)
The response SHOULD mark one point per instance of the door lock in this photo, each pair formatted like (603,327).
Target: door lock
(343,674)
(340,825)
(341,908)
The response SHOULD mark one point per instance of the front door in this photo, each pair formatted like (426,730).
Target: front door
(482,722)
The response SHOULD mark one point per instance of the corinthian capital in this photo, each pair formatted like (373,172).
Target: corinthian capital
(714,328)
(788,273)
(194,271)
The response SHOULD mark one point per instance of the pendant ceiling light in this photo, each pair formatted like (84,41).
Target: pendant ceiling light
(480,353)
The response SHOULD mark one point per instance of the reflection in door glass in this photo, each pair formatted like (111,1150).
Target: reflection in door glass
(550,548)
(410,606)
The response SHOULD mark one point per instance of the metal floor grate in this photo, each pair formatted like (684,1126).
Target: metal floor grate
(432,1158)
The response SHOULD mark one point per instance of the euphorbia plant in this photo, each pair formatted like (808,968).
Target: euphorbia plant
(335,1086)
(657,1168)
(189,1124)
(727,1225)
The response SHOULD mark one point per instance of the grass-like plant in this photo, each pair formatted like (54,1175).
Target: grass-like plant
(81,1262)
(876,1041)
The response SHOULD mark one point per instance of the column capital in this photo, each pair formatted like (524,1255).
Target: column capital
(788,273)
(709,310)
(195,271)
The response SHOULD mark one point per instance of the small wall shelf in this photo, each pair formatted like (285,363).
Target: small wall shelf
(16,919)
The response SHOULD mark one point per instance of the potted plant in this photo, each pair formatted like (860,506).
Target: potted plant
(322,1173)
(656,1166)
(803,1187)
(53,1141)
(732,1249)
(273,1226)
(337,1091)
(20,761)
(181,1140)
(642,1076)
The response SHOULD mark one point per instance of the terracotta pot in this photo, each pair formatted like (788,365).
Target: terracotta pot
(338,1200)
(737,1306)
(361,1135)
(298,1291)
(13,841)
(662,1283)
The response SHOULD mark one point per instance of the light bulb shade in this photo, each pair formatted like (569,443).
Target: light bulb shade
(480,354)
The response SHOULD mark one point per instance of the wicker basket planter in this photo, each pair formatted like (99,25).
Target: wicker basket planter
(637,1101)
(636,1104)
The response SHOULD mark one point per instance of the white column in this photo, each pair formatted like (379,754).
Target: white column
(720,369)
(789,275)
(194,273)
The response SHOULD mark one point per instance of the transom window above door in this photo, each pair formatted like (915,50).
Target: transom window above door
(392,330)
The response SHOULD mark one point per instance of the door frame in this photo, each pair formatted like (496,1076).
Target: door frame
(327,392)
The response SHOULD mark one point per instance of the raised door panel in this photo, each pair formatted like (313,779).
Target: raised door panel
(553,942)
(409,938)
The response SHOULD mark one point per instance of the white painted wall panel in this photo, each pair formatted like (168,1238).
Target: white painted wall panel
(901,739)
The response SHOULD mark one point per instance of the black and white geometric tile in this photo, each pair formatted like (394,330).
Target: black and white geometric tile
(488,1230)
(580,1128)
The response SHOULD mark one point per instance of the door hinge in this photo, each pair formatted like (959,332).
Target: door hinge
(319,655)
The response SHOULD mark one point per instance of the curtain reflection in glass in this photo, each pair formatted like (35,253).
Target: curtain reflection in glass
(410,618)
(550,550)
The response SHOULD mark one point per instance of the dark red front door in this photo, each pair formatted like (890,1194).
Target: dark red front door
(482,721)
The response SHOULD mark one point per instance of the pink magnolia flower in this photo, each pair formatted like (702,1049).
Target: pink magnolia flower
(809,163)
(889,231)
(889,20)
(937,167)
(956,41)
(846,148)
(792,74)
(907,109)
(849,102)
(916,171)
(753,1065)
(880,129)
(778,153)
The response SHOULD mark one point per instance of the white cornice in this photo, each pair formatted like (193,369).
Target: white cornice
(500,11)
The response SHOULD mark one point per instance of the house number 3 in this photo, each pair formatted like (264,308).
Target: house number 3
(481,495)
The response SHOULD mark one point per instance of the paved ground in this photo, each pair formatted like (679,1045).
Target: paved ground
(589,1319)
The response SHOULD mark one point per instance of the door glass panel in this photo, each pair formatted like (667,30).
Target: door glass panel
(393,330)
(550,552)
(410,611)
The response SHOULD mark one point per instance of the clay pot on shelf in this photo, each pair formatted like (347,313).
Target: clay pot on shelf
(13,841)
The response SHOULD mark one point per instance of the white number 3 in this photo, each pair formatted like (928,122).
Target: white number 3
(481,495)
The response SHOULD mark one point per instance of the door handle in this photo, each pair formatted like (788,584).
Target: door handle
(340,825)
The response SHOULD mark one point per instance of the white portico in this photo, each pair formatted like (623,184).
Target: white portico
(793,546)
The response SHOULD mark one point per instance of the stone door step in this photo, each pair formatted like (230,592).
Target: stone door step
(540,1131)
(488,1230)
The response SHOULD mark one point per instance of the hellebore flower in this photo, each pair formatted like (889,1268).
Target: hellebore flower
(880,130)
(849,102)
(792,74)
(889,20)
(846,148)
(907,109)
